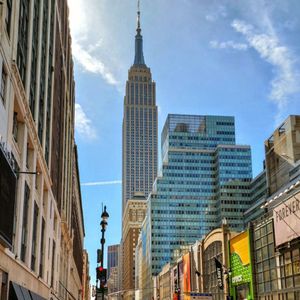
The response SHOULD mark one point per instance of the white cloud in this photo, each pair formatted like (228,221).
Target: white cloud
(286,80)
(83,124)
(228,44)
(220,11)
(83,46)
(91,63)
(102,183)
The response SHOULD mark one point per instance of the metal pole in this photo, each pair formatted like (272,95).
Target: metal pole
(102,256)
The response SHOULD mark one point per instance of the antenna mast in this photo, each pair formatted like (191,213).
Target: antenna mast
(138,15)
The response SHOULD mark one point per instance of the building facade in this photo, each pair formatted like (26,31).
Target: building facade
(194,272)
(42,236)
(139,142)
(282,151)
(258,194)
(139,160)
(112,257)
(86,287)
(282,165)
(205,181)
(133,218)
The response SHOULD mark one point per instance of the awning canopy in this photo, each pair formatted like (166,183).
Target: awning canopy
(18,292)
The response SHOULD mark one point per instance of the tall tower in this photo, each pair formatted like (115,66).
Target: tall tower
(139,161)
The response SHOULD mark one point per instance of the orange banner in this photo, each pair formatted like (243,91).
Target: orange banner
(186,276)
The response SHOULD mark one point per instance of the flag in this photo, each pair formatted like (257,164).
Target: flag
(219,270)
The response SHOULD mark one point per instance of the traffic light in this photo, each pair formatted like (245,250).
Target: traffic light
(103,289)
(101,275)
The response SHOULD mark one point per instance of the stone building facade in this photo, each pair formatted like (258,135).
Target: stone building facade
(41,244)
(133,218)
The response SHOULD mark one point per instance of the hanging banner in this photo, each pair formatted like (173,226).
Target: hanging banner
(186,276)
(219,270)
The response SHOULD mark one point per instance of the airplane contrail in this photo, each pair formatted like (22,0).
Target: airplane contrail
(102,183)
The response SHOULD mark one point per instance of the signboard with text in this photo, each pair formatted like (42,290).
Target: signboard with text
(201,296)
(287,220)
(241,280)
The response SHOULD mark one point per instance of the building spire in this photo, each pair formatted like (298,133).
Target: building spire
(139,56)
(138,17)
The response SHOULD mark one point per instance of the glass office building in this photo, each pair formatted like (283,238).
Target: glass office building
(204,179)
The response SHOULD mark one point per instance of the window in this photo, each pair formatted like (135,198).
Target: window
(15,126)
(8,16)
(3,285)
(22,39)
(3,85)
(34,236)
(42,250)
(53,263)
(25,221)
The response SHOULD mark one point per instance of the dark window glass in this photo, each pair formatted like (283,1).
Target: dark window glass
(53,263)
(34,236)
(22,39)
(34,55)
(25,221)
(3,85)
(3,285)
(42,250)
(8,16)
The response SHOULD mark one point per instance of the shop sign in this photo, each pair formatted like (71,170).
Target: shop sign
(286,220)
(201,296)
(237,279)
(240,265)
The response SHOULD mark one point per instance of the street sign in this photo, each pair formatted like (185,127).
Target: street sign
(201,296)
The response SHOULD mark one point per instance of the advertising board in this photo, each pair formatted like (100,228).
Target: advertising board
(241,280)
(286,218)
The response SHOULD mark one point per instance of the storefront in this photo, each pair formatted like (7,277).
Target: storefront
(276,245)
(241,280)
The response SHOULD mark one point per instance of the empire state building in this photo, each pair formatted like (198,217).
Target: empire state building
(139,142)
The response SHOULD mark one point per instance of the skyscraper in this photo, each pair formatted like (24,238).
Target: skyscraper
(112,257)
(205,179)
(139,161)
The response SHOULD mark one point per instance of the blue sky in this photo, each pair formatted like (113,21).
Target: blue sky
(237,58)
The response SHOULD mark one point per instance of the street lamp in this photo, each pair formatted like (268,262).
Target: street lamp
(228,273)
(103,225)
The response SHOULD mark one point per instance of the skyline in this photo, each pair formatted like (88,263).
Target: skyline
(228,38)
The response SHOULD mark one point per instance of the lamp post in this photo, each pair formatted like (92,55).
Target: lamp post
(228,273)
(103,225)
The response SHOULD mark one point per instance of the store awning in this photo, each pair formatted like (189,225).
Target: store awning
(18,292)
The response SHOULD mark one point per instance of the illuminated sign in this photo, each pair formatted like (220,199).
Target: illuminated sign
(286,220)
